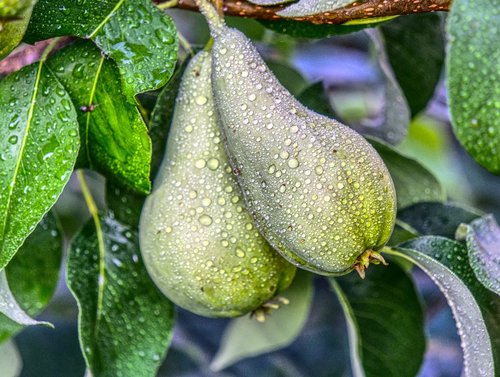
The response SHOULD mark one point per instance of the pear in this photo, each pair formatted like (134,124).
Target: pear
(198,242)
(317,190)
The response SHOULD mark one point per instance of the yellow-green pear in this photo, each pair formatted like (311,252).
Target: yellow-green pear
(198,242)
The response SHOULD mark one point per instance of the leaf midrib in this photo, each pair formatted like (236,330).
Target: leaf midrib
(21,153)
(89,103)
(106,19)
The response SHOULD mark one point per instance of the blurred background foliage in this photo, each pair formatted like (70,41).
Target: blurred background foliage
(345,67)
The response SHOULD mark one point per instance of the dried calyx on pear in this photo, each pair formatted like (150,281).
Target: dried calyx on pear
(317,190)
(199,244)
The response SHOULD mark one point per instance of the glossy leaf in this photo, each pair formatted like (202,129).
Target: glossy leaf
(125,323)
(310,7)
(288,76)
(162,116)
(402,232)
(10,360)
(126,205)
(246,337)
(435,218)
(415,48)
(392,123)
(114,137)
(38,148)
(315,98)
(10,307)
(413,182)
(475,308)
(299,29)
(13,23)
(483,245)
(385,322)
(473,67)
(139,37)
(33,273)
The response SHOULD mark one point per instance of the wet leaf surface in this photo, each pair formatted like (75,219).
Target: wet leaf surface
(475,308)
(473,67)
(38,148)
(245,337)
(483,245)
(33,273)
(413,182)
(385,322)
(114,137)
(437,218)
(414,46)
(125,323)
(140,38)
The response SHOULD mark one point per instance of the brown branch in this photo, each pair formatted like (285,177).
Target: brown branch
(28,54)
(357,10)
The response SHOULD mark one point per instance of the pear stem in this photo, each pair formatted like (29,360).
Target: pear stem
(214,20)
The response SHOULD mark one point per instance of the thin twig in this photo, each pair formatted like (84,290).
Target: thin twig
(357,10)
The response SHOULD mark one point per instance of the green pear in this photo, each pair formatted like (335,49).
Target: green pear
(317,190)
(199,244)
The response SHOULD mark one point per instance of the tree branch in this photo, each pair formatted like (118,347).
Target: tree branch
(357,10)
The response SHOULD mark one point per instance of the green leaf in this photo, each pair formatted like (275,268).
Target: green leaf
(475,308)
(434,218)
(33,273)
(114,137)
(139,37)
(392,124)
(310,7)
(38,148)
(246,337)
(415,48)
(300,29)
(402,232)
(161,117)
(483,245)
(315,98)
(10,307)
(125,323)
(10,360)
(385,322)
(473,65)
(413,182)
(126,205)
(14,20)
(12,8)
(288,76)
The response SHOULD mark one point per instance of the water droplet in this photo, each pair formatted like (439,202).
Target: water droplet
(213,164)
(201,100)
(240,253)
(293,163)
(200,164)
(205,220)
